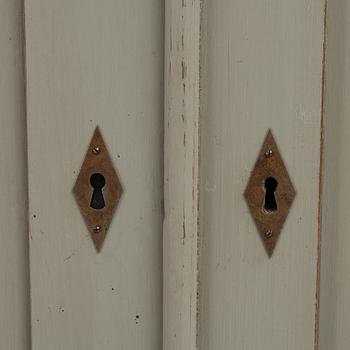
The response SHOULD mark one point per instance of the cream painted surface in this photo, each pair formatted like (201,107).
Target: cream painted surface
(261,68)
(181,165)
(95,62)
(14,272)
(335,261)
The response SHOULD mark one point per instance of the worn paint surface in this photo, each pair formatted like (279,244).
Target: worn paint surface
(181,157)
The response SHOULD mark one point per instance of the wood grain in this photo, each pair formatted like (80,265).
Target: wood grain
(92,62)
(14,272)
(261,68)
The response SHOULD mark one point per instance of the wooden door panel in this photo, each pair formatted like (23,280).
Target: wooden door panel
(261,69)
(95,63)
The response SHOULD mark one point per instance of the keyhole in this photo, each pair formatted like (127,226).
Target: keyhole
(97,181)
(270,203)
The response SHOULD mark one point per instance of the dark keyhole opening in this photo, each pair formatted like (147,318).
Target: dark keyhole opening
(97,181)
(270,203)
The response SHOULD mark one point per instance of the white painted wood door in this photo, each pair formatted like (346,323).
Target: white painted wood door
(262,68)
(235,69)
(184,93)
(95,63)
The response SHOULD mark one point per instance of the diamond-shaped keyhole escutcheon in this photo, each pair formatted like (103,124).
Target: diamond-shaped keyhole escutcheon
(97,189)
(269,193)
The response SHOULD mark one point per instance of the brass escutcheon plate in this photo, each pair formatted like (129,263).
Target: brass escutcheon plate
(97,161)
(269,165)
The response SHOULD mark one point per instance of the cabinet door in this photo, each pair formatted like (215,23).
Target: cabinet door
(95,63)
(232,71)
(241,68)
(262,69)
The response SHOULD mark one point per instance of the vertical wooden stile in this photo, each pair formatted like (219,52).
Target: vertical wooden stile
(14,271)
(181,162)
(334,328)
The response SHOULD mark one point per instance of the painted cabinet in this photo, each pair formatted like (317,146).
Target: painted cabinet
(184,93)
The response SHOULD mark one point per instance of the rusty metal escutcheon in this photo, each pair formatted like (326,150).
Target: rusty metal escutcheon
(97,189)
(269,193)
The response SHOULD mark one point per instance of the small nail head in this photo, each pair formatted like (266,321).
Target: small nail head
(97,228)
(268,233)
(96,150)
(268,153)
